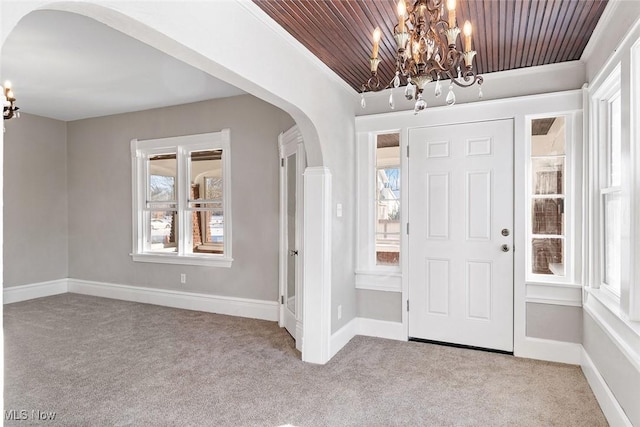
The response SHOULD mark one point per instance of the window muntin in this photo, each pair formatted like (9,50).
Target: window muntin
(387,200)
(181,198)
(548,198)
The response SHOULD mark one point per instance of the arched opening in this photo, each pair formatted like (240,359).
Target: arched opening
(128,24)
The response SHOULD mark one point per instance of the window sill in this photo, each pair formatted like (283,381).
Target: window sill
(379,280)
(553,293)
(206,261)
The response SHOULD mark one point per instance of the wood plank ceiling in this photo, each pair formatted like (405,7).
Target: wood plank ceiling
(508,34)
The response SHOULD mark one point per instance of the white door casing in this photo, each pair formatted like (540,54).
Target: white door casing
(293,163)
(460,200)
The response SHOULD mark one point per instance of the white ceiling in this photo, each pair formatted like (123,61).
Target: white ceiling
(69,67)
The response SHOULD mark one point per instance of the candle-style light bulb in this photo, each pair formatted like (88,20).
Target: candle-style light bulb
(402,9)
(7,84)
(467,36)
(376,43)
(451,7)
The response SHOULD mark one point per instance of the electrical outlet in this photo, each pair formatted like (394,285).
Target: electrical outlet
(339,312)
(183,278)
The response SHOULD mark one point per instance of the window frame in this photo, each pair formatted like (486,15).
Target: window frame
(370,275)
(183,146)
(568,196)
(601,118)
(376,202)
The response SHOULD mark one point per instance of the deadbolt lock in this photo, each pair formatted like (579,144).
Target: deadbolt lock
(505,232)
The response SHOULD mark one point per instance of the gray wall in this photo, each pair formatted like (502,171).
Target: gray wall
(379,305)
(35,200)
(554,322)
(618,372)
(100,196)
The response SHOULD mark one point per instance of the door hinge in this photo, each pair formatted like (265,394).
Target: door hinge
(407,151)
(407,228)
(282,162)
(281,299)
(407,305)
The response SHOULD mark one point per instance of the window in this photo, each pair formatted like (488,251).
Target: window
(549,242)
(379,211)
(387,212)
(182,200)
(610,191)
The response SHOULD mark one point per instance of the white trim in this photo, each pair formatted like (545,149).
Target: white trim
(183,146)
(232,306)
(316,311)
(549,350)
(551,293)
(610,407)
(342,336)
(365,327)
(379,281)
(381,329)
(34,290)
(207,261)
(290,142)
(607,314)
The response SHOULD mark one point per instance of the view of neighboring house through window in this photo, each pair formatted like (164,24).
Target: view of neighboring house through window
(182,198)
(388,199)
(548,196)
(610,193)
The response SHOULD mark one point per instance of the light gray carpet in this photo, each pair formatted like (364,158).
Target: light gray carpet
(97,361)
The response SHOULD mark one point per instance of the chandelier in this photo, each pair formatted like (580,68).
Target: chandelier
(9,110)
(426,51)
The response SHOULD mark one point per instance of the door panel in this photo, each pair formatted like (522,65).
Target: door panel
(460,198)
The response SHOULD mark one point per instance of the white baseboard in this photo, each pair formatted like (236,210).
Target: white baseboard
(34,290)
(610,407)
(549,350)
(342,336)
(381,329)
(255,309)
(366,327)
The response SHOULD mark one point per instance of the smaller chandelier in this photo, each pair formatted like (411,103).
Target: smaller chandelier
(9,110)
(426,51)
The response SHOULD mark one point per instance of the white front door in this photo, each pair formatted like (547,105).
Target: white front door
(461,234)
(293,162)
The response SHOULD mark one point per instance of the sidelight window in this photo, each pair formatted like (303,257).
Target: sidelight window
(549,200)
(387,179)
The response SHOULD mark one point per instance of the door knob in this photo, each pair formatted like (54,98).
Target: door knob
(505,248)
(292,252)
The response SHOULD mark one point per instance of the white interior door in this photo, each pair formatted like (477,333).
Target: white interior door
(461,234)
(293,163)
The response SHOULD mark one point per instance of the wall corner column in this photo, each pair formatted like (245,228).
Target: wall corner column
(317,265)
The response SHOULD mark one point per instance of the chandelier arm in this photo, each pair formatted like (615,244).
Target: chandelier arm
(469,78)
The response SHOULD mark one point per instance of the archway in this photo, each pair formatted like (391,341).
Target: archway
(186,31)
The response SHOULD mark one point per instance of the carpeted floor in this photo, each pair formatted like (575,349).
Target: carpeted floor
(96,361)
